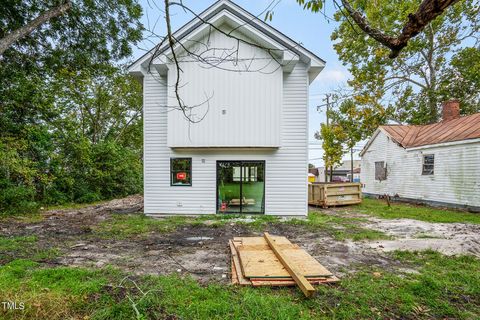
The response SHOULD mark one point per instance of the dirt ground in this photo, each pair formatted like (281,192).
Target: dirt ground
(201,250)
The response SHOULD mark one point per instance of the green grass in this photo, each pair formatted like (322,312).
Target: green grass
(445,287)
(121,226)
(380,209)
(73,205)
(139,225)
(340,228)
(31,217)
(16,243)
(24,247)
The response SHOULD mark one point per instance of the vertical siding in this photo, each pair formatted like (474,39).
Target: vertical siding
(240,106)
(285,171)
(456,179)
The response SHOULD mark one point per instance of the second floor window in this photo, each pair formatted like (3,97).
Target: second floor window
(428,164)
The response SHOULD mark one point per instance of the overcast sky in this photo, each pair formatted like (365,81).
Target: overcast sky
(311,30)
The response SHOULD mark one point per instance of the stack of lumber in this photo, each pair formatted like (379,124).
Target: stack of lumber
(275,261)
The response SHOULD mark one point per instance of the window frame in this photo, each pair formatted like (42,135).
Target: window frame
(189,172)
(384,169)
(425,172)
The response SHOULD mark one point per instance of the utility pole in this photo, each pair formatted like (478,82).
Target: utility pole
(328,124)
(327,105)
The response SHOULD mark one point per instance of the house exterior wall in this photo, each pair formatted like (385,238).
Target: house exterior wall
(285,167)
(456,178)
(241,107)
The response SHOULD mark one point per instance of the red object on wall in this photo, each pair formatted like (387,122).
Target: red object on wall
(223,206)
(181,176)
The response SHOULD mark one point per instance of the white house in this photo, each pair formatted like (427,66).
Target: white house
(437,163)
(242,146)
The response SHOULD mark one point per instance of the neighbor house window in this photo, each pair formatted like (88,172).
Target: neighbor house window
(428,164)
(380,171)
(181,171)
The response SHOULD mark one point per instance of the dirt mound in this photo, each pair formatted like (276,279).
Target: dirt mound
(130,204)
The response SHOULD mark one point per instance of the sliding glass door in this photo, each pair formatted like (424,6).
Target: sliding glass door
(240,186)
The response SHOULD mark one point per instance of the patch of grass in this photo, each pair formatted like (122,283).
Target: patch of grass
(31,217)
(24,247)
(16,243)
(122,226)
(445,287)
(56,293)
(380,209)
(132,225)
(73,205)
(256,222)
(340,228)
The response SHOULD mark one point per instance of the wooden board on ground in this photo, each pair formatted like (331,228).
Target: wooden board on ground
(292,267)
(290,282)
(234,272)
(257,261)
(260,240)
(236,266)
(264,263)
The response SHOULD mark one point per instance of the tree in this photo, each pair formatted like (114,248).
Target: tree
(98,30)
(28,28)
(410,84)
(417,19)
(59,93)
(332,137)
(99,104)
(462,80)
(348,117)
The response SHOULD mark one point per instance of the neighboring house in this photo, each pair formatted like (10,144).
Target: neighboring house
(340,174)
(436,163)
(249,154)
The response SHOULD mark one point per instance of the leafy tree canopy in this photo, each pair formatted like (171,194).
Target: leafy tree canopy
(411,87)
(71,121)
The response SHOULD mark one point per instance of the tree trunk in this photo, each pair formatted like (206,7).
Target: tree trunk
(331,173)
(24,31)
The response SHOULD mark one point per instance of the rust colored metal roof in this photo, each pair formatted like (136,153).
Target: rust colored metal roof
(409,136)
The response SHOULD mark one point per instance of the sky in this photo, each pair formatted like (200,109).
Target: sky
(311,30)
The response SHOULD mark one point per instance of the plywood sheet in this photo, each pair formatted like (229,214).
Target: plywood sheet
(264,263)
(234,275)
(260,240)
(237,267)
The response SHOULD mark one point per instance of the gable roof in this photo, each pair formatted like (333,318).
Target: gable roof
(412,136)
(230,11)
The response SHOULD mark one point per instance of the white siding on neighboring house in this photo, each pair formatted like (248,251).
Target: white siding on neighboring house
(456,178)
(285,167)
